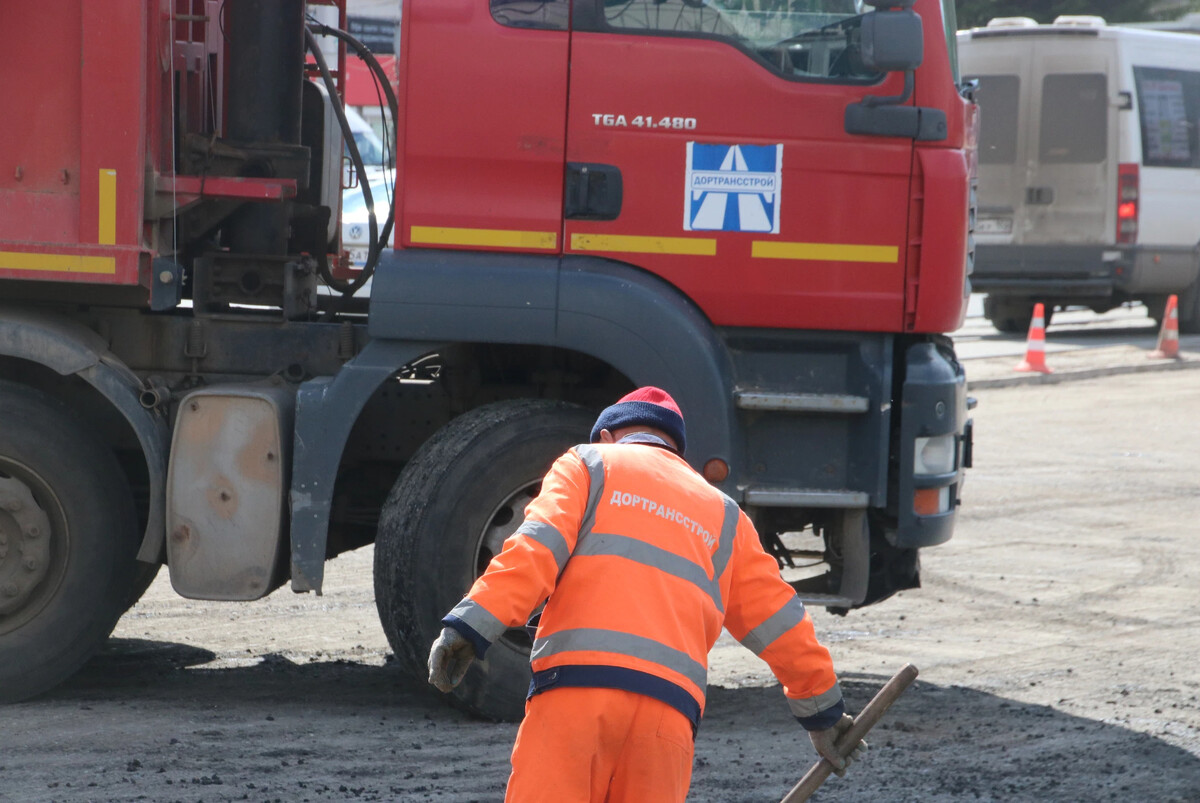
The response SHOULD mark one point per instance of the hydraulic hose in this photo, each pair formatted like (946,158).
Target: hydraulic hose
(344,287)
(378,238)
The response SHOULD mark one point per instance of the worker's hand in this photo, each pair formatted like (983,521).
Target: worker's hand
(449,659)
(825,743)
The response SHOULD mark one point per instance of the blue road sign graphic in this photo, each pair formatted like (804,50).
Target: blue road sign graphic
(733,187)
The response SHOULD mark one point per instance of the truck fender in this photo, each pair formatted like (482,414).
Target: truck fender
(326,410)
(69,348)
(423,299)
(632,320)
(654,335)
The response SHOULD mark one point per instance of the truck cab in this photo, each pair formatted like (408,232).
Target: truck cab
(734,162)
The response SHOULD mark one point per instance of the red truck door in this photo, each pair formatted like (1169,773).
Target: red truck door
(484,98)
(739,183)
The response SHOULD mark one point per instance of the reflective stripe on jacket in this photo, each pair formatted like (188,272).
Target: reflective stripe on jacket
(643,562)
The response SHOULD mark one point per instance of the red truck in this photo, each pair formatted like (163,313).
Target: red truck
(764,208)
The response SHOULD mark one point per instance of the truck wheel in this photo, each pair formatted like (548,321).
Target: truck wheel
(68,537)
(143,578)
(448,514)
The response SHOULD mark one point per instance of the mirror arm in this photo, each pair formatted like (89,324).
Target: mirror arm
(892,100)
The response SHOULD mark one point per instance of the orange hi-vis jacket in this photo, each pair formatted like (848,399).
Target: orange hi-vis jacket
(641,562)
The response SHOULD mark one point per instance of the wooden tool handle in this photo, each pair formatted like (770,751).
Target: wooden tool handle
(866,719)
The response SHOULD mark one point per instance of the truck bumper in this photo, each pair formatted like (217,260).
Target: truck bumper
(1042,271)
(842,438)
(933,415)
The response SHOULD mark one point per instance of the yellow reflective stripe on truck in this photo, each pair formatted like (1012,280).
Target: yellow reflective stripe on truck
(498,238)
(824,252)
(629,244)
(108,207)
(58,263)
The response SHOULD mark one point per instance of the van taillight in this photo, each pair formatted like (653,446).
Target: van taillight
(1127,203)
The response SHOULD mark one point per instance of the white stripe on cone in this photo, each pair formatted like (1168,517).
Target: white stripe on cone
(1035,347)
(1168,339)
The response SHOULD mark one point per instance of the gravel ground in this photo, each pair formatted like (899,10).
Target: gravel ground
(1058,637)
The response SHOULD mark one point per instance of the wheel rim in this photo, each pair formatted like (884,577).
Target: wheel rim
(502,523)
(33,541)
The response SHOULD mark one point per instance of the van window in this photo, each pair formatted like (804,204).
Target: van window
(1169,112)
(1074,119)
(810,39)
(999,99)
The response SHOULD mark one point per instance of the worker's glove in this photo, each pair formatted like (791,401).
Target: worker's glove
(825,743)
(449,659)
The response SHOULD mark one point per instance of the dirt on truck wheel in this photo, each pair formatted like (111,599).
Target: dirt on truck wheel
(448,515)
(68,535)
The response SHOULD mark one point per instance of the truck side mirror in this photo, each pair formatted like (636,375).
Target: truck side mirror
(891,41)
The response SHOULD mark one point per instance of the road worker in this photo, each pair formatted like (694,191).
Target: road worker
(640,562)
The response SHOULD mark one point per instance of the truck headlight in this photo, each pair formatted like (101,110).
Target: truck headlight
(934,455)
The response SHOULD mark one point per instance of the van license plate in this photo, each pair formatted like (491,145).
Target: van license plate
(993,225)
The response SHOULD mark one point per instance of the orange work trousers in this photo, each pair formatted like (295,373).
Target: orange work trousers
(586,745)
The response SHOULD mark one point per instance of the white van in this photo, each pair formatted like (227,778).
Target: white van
(1089,167)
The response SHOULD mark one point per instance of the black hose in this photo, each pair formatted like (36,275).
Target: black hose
(365,53)
(344,287)
(376,244)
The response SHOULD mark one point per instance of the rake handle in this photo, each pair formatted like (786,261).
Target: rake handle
(866,719)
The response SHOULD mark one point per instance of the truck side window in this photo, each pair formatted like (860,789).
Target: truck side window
(546,14)
(1169,112)
(795,38)
(1074,119)
(999,99)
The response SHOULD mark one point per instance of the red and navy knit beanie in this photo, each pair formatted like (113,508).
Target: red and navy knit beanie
(648,406)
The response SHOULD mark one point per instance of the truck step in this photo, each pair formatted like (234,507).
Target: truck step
(777,496)
(801,402)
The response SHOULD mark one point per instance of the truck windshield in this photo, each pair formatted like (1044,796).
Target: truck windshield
(795,37)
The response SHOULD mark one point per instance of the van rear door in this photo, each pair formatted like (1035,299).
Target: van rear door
(1071,173)
(1001,68)
(1048,147)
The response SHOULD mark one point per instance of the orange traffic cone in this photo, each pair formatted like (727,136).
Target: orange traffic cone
(1035,349)
(1168,338)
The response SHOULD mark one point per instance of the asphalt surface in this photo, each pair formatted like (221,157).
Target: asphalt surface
(1056,634)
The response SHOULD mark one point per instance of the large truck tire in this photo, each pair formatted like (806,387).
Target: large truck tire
(143,577)
(68,541)
(448,514)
